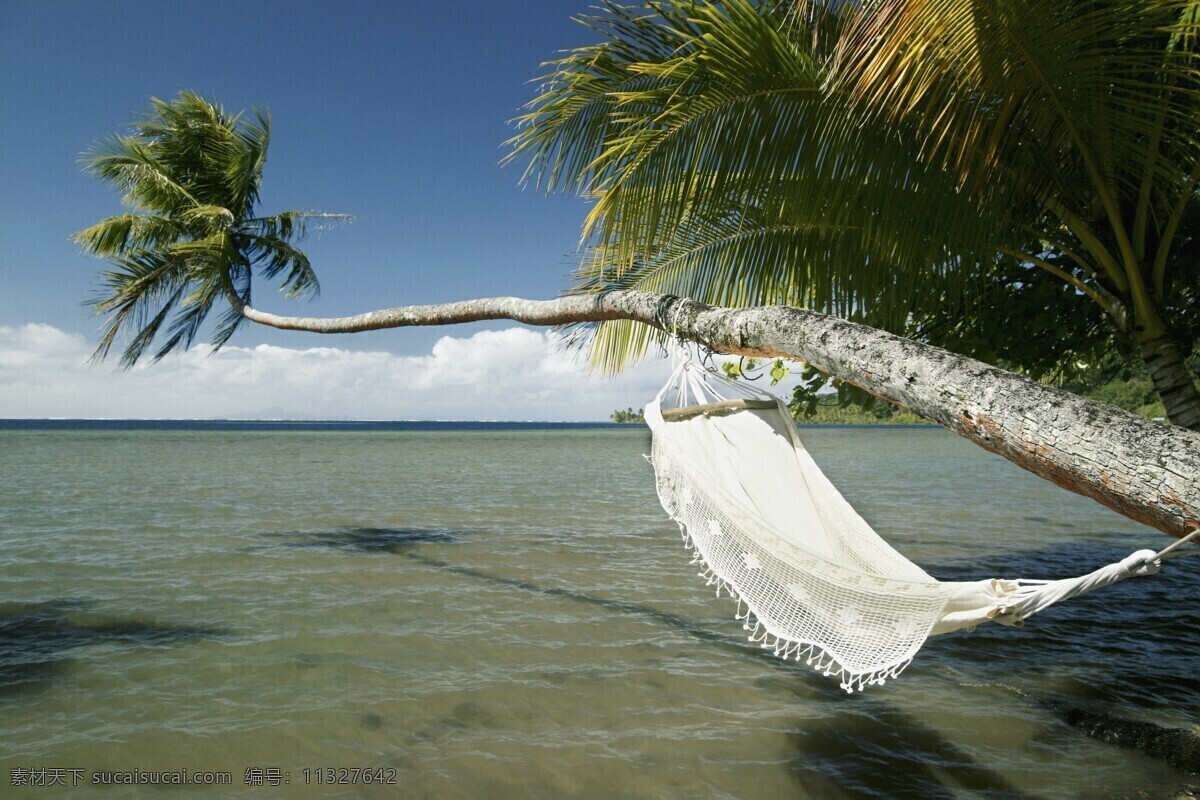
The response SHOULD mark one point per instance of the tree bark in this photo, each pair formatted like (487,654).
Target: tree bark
(1147,471)
(1174,382)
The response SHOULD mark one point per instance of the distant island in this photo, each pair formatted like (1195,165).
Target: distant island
(628,416)
(824,415)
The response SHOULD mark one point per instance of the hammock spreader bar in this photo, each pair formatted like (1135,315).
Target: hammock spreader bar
(812,579)
(711,408)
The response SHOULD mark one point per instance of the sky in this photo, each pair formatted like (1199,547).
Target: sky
(394,112)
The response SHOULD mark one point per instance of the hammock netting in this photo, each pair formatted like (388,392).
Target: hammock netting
(812,580)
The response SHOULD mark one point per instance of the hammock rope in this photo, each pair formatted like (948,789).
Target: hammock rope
(1169,551)
(812,580)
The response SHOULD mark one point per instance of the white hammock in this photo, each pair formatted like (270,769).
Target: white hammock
(813,581)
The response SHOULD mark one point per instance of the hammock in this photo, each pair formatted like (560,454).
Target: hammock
(811,578)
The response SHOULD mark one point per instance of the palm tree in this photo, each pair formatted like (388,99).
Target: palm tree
(188,157)
(880,160)
(191,175)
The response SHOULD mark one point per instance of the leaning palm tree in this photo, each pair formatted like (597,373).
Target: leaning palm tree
(882,160)
(182,251)
(191,175)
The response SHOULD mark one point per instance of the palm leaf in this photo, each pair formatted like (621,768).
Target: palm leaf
(138,294)
(1075,104)
(129,164)
(199,169)
(117,235)
(568,123)
(732,175)
(289,225)
(272,255)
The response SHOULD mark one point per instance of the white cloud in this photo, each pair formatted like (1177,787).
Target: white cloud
(512,374)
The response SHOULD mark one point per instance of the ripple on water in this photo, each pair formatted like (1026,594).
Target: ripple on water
(511,614)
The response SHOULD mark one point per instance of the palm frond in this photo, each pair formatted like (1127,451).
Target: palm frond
(193,309)
(747,109)
(130,165)
(760,257)
(855,158)
(272,255)
(117,235)
(137,295)
(724,169)
(295,225)
(209,218)
(239,283)
(199,169)
(245,170)
(567,124)
(1074,101)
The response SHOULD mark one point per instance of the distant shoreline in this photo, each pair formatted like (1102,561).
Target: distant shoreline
(285,424)
(343,425)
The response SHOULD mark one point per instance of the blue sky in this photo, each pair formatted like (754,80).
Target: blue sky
(393,112)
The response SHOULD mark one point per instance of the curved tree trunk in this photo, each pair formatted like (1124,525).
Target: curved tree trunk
(1147,471)
(1173,381)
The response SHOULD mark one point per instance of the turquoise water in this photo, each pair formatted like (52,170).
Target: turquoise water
(509,613)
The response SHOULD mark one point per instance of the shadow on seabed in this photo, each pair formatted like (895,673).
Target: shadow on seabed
(37,639)
(910,749)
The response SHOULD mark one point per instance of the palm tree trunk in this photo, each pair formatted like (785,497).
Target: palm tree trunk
(1147,471)
(1173,381)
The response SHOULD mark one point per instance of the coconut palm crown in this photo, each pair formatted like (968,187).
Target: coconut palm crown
(893,161)
(190,174)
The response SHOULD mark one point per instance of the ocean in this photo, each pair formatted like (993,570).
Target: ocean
(465,610)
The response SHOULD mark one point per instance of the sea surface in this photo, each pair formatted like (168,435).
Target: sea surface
(498,611)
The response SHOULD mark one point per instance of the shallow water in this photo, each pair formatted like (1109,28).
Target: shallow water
(509,613)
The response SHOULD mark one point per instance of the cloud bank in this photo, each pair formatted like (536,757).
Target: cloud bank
(511,374)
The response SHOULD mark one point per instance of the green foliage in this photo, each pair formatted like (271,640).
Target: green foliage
(1112,380)
(882,413)
(736,369)
(812,396)
(778,371)
(1023,319)
(191,174)
(723,170)
(1013,180)
(753,369)
(628,416)
(821,398)
(1135,394)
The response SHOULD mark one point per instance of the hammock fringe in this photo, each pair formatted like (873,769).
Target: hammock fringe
(784,647)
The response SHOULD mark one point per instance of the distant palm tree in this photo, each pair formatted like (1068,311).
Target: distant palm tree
(881,160)
(191,174)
